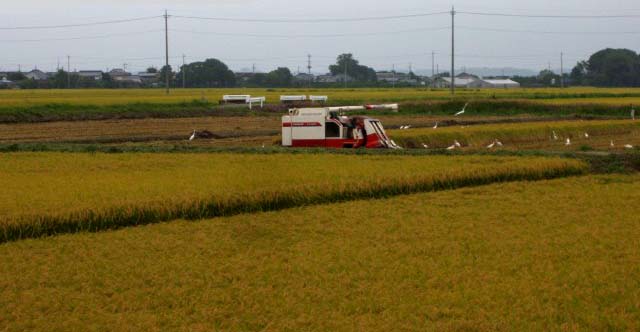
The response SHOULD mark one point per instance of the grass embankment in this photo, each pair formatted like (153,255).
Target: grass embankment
(546,256)
(50,193)
(538,135)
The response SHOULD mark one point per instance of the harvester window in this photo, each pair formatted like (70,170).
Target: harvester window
(332,130)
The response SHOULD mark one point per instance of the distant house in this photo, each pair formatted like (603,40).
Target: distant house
(129,79)
(445,82)
(149,78)
(395,77)
(304,78)
(495,84)
(95,75)
(118,73)
(37,75)
(5,83)
(328,78)
(464,75)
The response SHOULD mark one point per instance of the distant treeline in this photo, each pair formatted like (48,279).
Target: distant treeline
(605,68)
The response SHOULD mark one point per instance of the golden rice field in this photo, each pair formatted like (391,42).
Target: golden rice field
(49,193)
(557,255)
(614,96)
(525,136)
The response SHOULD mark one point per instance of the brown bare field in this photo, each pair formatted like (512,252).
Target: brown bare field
(229,130)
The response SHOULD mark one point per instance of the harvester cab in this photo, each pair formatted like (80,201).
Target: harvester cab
(331,127)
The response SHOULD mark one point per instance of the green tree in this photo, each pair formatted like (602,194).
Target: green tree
(353,68)
(152,70)
(62,79)
(548,78)
(208,73)
(579,73)
(164,72)
(614,67)
(280,77)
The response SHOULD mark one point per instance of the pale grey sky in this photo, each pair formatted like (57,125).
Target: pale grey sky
(141,44)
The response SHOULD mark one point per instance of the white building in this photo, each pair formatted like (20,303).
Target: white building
(445,82)
(95,75)
(37,75)
(495,84)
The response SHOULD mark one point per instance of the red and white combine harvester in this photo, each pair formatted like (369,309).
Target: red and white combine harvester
(329,127)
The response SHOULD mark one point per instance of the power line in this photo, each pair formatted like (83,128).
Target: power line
(548,16)
(471,28)
(38,27)
(310,20)
(79,38)
(311,35)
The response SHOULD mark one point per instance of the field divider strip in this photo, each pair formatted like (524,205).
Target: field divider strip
(115,218)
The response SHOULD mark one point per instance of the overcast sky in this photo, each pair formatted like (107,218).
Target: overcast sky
(397,42)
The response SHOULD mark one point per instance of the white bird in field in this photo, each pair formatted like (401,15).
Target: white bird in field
(633,113)
(407,127)
(463,110)
(612,145)
(193,135)
(452,147)
(586,135)
(425,146)
(568,142)
(436,126)
(263,145)
(628,146)
(555,136)
(457,144)
(401,127)
(490,146)
(498,143)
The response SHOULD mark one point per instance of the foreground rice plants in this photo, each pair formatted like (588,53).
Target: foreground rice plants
(545,256)
(50,193)
(526,135)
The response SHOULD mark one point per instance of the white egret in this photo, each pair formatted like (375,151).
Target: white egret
(612,145)
(498,143)
(586,135)
(568,142)
(490,146)
(555,136)
(628,146)
(463,110)
(425,146)
(193,135)
(452,147)
(457,144)
(436,126)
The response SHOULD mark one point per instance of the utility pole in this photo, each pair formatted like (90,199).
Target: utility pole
(345,72)
(166,48)
(309,68)
(453,51)
(253,68)
(562,69)
(433,64)
(184,72)
(68,72)
(393,73)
